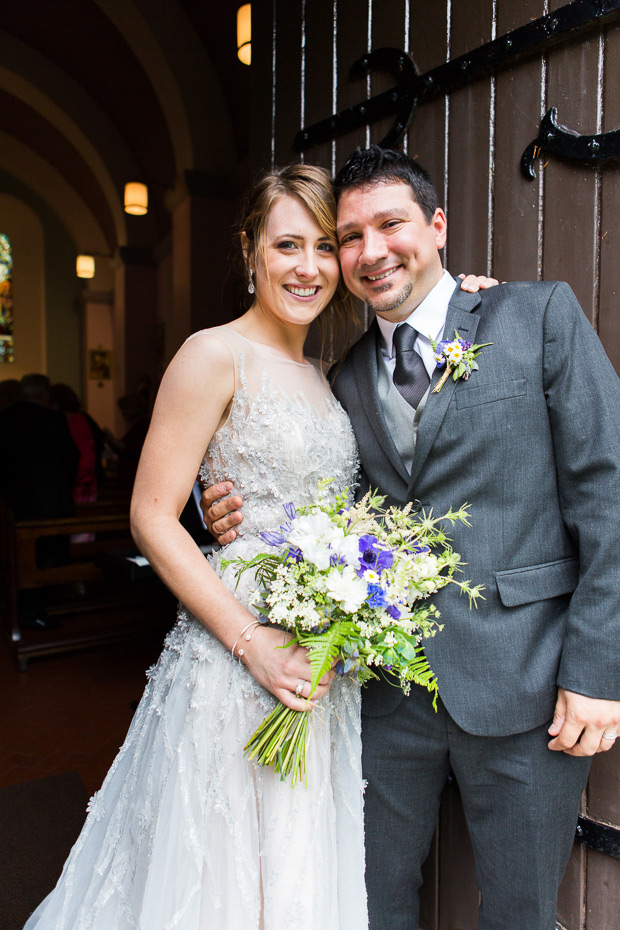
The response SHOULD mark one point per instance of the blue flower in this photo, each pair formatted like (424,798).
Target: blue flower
(376,596)
(351,663)
(393,611)
(289,510)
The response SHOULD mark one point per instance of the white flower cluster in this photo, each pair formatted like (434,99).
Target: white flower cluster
(352,584)
(332,572)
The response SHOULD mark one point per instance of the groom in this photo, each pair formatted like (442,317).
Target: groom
(531,440)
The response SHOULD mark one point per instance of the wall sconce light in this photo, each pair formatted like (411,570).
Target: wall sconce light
(85,266)
(136,198)
(244,33)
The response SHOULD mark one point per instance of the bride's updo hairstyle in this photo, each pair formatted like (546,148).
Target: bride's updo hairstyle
(312,186)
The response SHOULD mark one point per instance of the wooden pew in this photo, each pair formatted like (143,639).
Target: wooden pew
(88,607)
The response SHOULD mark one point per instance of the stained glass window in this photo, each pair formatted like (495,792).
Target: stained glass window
(6,300)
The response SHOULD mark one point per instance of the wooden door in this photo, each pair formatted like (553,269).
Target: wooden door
(565,224)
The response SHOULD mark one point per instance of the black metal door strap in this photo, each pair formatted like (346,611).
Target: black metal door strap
(413,88)
(554,139)
(598,836)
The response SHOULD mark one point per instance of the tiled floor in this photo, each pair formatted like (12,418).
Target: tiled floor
(69,712)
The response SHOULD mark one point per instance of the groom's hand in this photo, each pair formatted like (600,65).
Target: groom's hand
(583,726)
(221,513)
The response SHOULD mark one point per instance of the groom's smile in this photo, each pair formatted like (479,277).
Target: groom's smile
(388,250)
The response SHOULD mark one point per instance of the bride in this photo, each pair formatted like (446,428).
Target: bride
(185,833)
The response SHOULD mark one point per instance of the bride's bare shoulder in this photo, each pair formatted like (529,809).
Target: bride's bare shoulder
(205,360)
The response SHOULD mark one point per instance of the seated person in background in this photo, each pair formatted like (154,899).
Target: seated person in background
(38,457)
(67,402)
(10,393)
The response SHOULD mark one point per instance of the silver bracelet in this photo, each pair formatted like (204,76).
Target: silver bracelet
(248,637)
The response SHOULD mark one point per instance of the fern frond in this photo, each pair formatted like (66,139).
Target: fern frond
(324,649)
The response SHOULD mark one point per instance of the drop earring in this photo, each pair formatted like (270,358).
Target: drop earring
(251,284)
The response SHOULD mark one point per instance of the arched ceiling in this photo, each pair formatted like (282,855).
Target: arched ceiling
(97,92)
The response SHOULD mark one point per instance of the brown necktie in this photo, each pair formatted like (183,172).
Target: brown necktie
(410,375)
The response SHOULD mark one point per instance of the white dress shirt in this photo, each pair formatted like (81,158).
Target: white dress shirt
(428,318)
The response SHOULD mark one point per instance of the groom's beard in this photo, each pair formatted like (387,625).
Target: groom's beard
(391,301)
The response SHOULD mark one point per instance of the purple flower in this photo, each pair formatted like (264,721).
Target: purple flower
(273,538)
(393,611)
(372,556)
(416,550)
(289,510)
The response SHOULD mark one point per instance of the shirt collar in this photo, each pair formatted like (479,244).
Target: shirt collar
(429,317)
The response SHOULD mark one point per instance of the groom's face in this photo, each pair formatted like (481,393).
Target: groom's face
(388,249)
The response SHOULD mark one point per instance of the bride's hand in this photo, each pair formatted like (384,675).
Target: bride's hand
(476,282)
(282,671)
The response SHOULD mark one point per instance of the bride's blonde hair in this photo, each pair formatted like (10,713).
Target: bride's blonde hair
(312,186)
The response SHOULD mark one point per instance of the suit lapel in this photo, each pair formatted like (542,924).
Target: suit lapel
(366,376)
(459,318)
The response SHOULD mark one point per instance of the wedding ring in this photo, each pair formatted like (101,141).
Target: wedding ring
(299,688)
(610,736)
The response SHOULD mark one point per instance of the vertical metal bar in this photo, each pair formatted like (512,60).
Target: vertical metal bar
(406,49)
(598,184)
(273,87)
(368,78)
(446,141)
(302,91)
(491,183)
(334,75)
(541,173)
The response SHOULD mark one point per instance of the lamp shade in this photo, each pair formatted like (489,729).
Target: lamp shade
(85,266)
(136,198)
(244,33)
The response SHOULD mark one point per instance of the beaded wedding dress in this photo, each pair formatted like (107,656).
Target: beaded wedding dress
(185,833)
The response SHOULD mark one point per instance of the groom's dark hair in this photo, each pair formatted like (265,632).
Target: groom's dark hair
(385,166)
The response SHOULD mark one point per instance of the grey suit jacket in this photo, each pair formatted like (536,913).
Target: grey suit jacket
(532,442)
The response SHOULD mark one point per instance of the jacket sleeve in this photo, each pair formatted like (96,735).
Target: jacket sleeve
(583,400)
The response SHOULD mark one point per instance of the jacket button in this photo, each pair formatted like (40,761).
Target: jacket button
(416,506)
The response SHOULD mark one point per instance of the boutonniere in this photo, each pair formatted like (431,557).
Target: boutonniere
(459,357)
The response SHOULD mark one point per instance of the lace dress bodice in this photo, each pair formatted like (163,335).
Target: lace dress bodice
(284,432)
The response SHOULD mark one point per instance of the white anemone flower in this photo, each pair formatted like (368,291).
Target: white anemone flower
(348,549)
(313,534)
(344,586)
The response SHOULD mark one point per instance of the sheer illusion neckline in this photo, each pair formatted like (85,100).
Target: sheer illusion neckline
(272,351)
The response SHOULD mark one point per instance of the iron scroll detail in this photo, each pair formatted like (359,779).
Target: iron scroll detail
(402,98)
(413,88)
(555,139)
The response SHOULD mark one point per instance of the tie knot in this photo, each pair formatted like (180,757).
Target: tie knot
(404,338)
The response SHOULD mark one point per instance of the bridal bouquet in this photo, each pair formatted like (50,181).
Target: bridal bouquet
(351,583)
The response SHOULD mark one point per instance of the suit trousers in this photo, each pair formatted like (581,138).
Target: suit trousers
(521,803)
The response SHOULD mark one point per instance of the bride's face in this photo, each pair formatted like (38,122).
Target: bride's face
(296,269)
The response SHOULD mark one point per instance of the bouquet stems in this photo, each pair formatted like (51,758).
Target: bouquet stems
(281,741)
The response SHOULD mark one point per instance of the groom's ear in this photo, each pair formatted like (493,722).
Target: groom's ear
(440,225)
